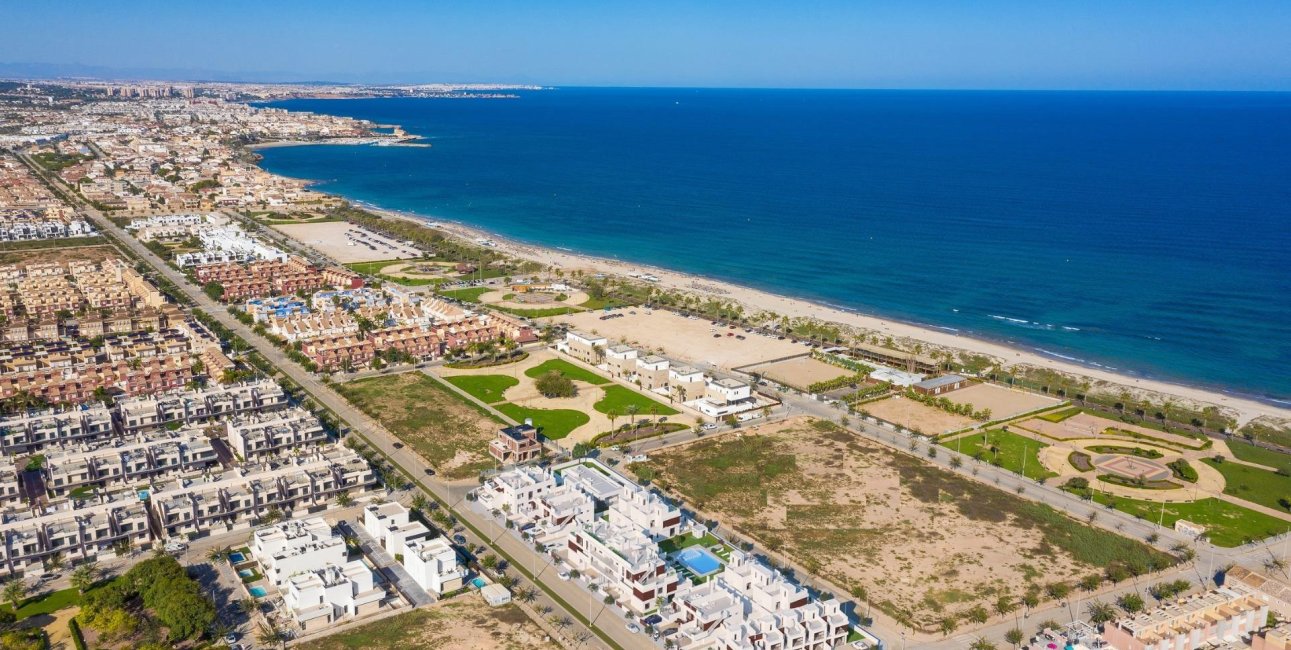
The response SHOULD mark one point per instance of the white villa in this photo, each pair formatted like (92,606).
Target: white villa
(434,566)
(308,563)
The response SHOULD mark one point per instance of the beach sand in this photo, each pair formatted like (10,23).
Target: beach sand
(1244,409)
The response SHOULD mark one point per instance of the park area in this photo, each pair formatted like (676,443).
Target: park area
(917,416)
(1011,451)
(463,623)
(927,545)
(1075,423)
(595,406)
(798,372)
(692,340)
(449,432)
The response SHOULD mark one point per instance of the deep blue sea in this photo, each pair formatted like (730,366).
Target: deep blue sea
(1147,232)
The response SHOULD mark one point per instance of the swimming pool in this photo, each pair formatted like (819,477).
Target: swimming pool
(478,583)
(246,573)
(237,558)
(259,592)
(700,561)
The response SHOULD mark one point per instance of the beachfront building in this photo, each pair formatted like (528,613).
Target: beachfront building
(727,396)
(434,566)
(750,605)
(588,348)
(621,361)
(1219,616)
(390,525)
(516,444)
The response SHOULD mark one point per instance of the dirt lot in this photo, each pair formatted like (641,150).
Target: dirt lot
(800,372)
(928,420)
(683,338)
(331,238)
(448,433)
(926,545)
(463,623)
(1002,401)
(64,255)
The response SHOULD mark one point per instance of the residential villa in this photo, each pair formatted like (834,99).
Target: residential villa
(516,444)
(434,565)
(1215,617)
(309,563)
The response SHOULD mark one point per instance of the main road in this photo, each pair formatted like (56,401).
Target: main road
(560,595)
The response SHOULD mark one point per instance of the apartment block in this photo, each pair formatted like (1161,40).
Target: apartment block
(1211,618)
(322,596)
(588,348)
(255,435)
(120,462)
(31,432)
(147,412)
(75,531)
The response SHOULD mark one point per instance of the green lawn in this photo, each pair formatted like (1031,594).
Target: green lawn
(1227,524)
(1253,484)
(686,540)
(618,399)
(567,369)
(538,313)
(48,603)
(1059,416)
(552,423)
(486,388)
(1267,457)
(371,268)
(471,294)
(1009,448)
(603,303)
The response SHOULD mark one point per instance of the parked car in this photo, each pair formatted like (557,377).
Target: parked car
(460,539)
(653,619)
(563,575)
(634,628)
(709,426)
(430,472)
(398,445)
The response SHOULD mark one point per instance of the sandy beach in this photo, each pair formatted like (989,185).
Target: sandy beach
(1244,409)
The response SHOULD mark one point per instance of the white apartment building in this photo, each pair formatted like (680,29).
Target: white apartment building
(254,435)
(390,525)
(625,561)
(750,605)
(24,432)
(296,546)
(237,498)
(723,397)
(583,346)
(147,412)
(434,566)
(117,462)
(73,530)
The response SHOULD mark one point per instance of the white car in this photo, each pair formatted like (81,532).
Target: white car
(176,547)
(709,427)
(634,628)
(563,575)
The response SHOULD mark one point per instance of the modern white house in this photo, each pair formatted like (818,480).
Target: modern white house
(323,595)
(433,565)
(296,546)
(723,397)
(390,525)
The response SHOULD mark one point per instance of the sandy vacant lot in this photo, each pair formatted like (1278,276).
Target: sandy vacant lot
(1003,402)
(332,237)
(800,372)
(62,255)
(683,338)
(463,623)
(924,543)
(928,420)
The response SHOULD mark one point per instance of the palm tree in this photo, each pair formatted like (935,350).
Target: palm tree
(612,414)
(247,605)
(420,503)
(55,562)
(218,554)
(1100,612)
(84,576)
(269,634)
(632,410)
(1013,637)
(14,591)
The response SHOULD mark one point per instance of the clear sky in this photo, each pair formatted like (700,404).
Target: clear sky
(1123,44)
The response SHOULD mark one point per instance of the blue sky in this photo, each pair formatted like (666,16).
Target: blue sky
(1120,44)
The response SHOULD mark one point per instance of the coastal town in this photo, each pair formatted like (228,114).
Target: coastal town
(239,412)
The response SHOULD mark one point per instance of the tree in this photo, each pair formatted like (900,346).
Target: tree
(1090,582)
(1099,612)
(948,625)
(583,449)
(977,615)
(553,384)
(981,644)
(14,591)
(1131,603)
(1013,637)
(218,554)
(1004,605)
(344,500)
(1058,590)
(420,503)
(269,634)
(1030,599)
(84,577)
(632,410)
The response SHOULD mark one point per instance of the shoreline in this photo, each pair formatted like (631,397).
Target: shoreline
(1244,407)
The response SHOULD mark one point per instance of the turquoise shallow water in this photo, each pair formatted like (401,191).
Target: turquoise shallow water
(1145,232)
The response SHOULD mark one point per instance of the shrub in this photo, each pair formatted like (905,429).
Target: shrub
(554,384)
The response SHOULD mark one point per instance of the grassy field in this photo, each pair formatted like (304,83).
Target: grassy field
(373,268)
(458,624)
(618,399)
(1261,456)
(1012,451)
(537,313)
(1059,416)
(470,294)
(567,369)
(48,603)
(1227,524)
(447,430)
(552,423)
(1253,484)
(486,388)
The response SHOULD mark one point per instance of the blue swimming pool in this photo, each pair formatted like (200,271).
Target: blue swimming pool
(478,583)
(237,558)
(246,573)
(259,592)
(700,561)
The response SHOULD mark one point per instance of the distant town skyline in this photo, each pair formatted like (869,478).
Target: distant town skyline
(995,44)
